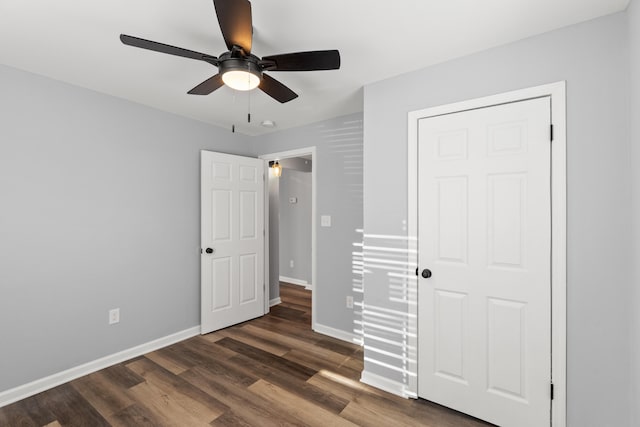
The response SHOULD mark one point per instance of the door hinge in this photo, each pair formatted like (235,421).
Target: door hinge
(551,391)
(551,132)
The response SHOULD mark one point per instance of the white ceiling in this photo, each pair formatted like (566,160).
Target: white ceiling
(76,41)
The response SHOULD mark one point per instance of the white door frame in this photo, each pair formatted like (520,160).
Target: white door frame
(314,168)
(557,92)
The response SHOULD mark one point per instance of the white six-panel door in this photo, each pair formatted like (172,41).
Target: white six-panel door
(484,226)
(232,240)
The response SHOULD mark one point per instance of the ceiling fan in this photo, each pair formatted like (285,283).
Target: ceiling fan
(238,68)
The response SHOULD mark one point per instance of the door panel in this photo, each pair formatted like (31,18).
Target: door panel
(451,325)
(506,205)
(506,353)
(221,276)
(232,240)
(248,218)
(485,233)
(221,215)
(452,219)
(248,278)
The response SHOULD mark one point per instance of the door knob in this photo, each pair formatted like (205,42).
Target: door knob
(209,250)
(426,273)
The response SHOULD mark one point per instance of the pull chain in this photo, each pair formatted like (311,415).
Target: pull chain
(248,99)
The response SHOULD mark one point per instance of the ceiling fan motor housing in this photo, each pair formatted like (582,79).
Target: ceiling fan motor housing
(248,63)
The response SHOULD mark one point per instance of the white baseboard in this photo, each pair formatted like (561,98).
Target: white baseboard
(383,383)
(293,281)
(274,301)
(350,337)
(21,392)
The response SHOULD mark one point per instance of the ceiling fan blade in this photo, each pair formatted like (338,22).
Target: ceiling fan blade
(303,61)
(234,17)
(165,48)
(207,86)
(276,90)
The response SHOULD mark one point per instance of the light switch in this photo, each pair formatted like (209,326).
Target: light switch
(325,221)
(293,200)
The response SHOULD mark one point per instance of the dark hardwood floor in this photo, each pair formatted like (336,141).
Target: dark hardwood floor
(271,371)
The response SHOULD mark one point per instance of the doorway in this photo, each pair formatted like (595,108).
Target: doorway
(290,216)
(449,239)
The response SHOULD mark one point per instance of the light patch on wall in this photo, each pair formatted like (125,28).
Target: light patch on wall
(387,333)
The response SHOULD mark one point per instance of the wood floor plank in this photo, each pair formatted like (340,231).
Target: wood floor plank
(318,363)
(171,365)
(120,375)
(256,341)
(214,336)
(370,417)
(285,380)
(164,406)
(343,387)
(200,404)
(288,341)
(203,349)
(287,313)
(195,352)
(298,302)
(135,415)
(13,416)
(36,409)
(301,302)
(235,373)
(354,362)
(229,419)
(296,407)
(442,417)
(367,406)
(102,393)
(337,346)
(268,359)
(255,410)
(286,327)
(70,408)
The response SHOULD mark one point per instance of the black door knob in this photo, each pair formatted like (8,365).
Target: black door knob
(426,273)
(209,250)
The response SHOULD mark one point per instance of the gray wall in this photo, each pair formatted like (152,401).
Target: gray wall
(99,208)
(634,51)
(338,164)
(274,236)
(593,58)
(295,225)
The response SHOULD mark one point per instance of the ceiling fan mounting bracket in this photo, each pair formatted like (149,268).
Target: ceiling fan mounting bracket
(237,52)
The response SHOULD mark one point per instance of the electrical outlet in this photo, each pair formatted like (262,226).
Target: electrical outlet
(114,316)
(349,301)
(291,264)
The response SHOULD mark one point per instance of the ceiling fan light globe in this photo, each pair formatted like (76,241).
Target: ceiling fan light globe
(240,80)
